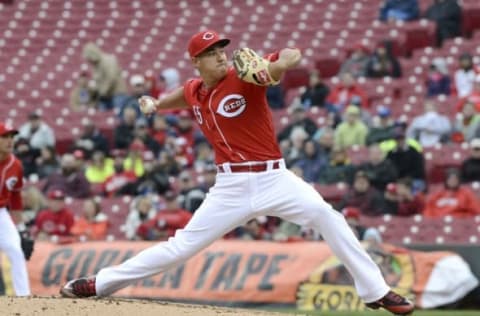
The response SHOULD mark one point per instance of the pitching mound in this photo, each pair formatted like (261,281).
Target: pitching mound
(55,306)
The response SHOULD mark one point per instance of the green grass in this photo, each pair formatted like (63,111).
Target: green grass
(382,313)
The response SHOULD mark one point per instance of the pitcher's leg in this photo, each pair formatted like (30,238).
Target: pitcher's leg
(10,244)
(210,222)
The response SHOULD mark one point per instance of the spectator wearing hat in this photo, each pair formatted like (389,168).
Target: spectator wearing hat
(27,155)
(82,95)
(109,85)
(348,91)
(316,92)
(167,220)
(401,200)
(356,63)
(142,209)
(454,199)
(92,224)
(380,170)
(125,131)
(431,127)
(134,161)
(382,63)
(339,168)
(470,169)
(142,132)
(438,79)
(467,124)
(100,168)
(352,131)
(464,77)
(447,15)
(120,178)
(137,88)
(191,194)
(69,179)
(299,119)
(399,10)
(47,163)
(56,220)
(37,132)
(382,126)
(363,233)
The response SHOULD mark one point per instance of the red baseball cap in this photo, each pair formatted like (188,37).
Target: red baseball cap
(5,130)
(351,212)
(56,194)
(203,40)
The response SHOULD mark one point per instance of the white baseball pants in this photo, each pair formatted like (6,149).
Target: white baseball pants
(10,244)
(234,200)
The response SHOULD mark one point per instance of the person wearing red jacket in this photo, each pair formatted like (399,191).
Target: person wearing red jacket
(346,93)
(166,222)
(11,182)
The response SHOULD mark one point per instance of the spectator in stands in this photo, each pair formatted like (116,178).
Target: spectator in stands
(363,233)
(82,96)
(69,179)
(204,156)
(142,209)
(168,164)
(356,63)
(312,161)
(56,221)
(160,129)
(124,132)
(454,199)
(470,169)
(346,93)
(467,123)
(352,131)
(142,133)
(155,179)
(363,196)
(447,14)
(409,162)
(316,92)
(185,128)
(47,163)
(254,230)
(473,97)
(379,170)
(170,79)
(325,141)
(166,221)
(136,89)
(382,63)
(382,126)
(33,201)
(293,148)
(465,75)
(399,10)
(401,200)
(92,139)
(151,85)
(190,195)
(438,79)
(39,133)
(27,155)
(208,177)
(134,161)
(92,224)
(275,97)
(114,183)
(339,168)
(332,120)
(299,118)
(100,168)
(431,127)
(107,76)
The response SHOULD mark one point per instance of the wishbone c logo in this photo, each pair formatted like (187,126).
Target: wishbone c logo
(208,36)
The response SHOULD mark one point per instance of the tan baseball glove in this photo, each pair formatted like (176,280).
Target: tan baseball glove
(252,68)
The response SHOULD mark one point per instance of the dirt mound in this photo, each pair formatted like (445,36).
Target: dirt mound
(55,306)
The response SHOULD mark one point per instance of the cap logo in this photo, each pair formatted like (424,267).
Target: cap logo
(208,36)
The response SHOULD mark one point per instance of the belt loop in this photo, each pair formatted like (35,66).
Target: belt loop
(281,163)
(269,165)
(226,167)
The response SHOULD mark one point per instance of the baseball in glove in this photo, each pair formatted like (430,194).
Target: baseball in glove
(28,244)
(251,67)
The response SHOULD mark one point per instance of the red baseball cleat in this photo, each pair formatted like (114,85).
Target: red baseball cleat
(394,303)
(76,288)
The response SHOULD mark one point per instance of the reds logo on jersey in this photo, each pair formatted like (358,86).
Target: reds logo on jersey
(10,183)
(232,105)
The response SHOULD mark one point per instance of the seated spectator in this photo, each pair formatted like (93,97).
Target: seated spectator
(382,63)
(100,168)
(352,131)
(27,155)
(152,87)
(167,221)
(465,76)
(431,127)
(473,97)
(208,177)
(438,79)
(82,96)
(298,118)
(275,97)
(114,183)
(401,200)
(390,144)
(339,168)
(37,132)
(346,93)
(316,92)
(160,129)
(92,224)
(47,163)
(123,133)
(292,150)
(470,169)
(454,199)
(363,196)
(356,63)
(33,201)
(399,10)
(69,179)
(155,179)
(379,170)
(408,161)
(142,209)
(55,221)
(142,133)
(363,233)
(447,15)
(253,230)
(136,89)
(312,161)
(134,161)
(191,195)
(204,156)
(382,126)
(467,123)
(91,139)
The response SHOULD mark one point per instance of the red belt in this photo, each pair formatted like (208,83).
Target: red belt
(249,168)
